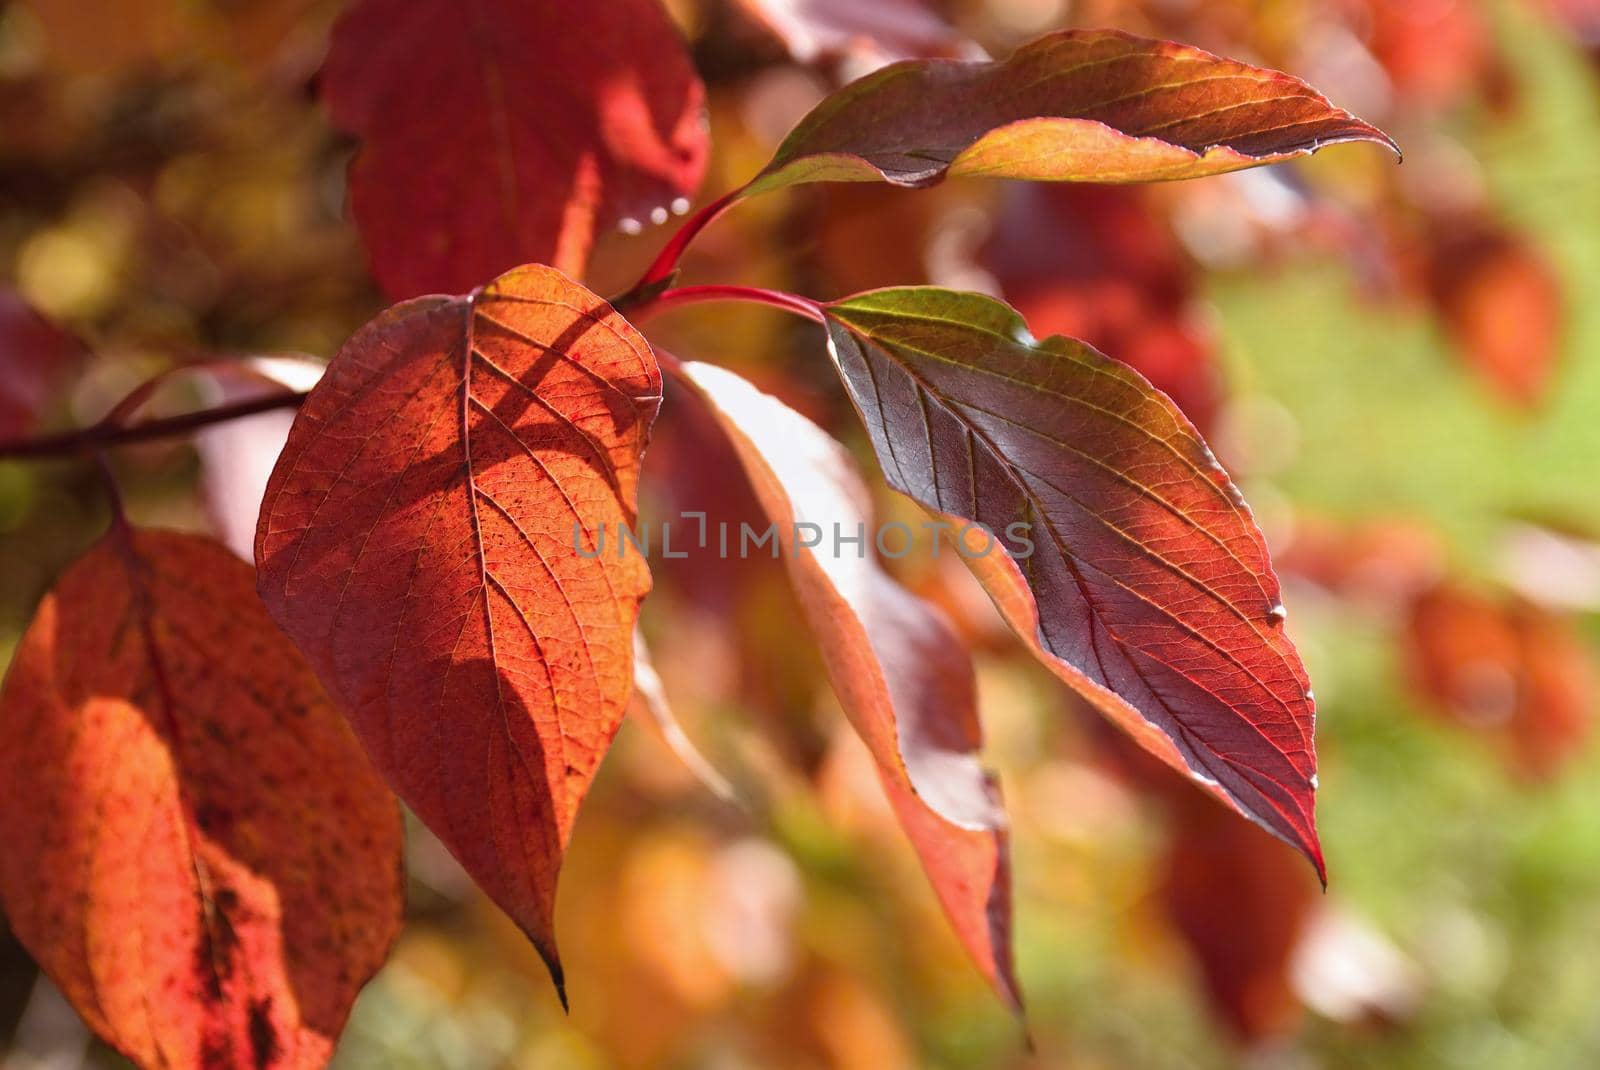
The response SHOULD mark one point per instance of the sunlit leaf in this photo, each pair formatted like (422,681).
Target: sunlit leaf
(1140,577)
(1078,105)
(429,537)
(195,848)
(903,678)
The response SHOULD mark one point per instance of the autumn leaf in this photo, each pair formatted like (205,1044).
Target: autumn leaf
(497,132)
(1078,105)
(196,850)
(1512,670)
(1501,302)
(37,360)
(1098,263)
(1241,902)
(1435,54)
(420,539)
(902,676)
(1243,906)
(1140,577)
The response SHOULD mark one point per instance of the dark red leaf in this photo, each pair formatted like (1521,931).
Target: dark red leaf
(419,540)
(1242,904)
(196,850)
(1148,587)
(37,360)
(497,132)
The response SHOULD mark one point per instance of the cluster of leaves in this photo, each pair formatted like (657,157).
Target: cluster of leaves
(210,866)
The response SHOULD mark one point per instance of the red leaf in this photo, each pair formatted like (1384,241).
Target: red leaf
(1242,904)
(1379,564)
(196,850)
(1097,263)
(37,360)
(1509,669)
(417,541)
(1435,51)
(1148,588)
(903,678)
(1078,105)
(498,132)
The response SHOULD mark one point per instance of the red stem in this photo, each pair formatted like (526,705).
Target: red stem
(691,295)
(119,518)
(666,261)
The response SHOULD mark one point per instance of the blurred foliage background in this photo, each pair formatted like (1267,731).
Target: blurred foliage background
(1399,365)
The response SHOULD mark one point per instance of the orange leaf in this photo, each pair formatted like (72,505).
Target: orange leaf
(417,539)
(196,850)
(497,132)
(1435,51)
(1502,303)
(1510,669)
(1078,105)
(903,678)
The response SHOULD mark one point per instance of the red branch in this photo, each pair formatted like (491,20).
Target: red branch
(103,435)
(113,432)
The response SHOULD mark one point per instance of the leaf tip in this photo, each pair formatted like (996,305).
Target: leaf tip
(558,976)
(1387,142)
(1313,852)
